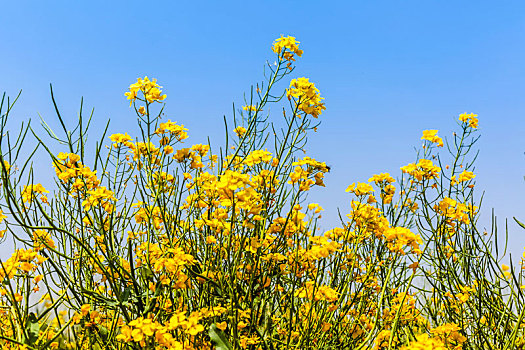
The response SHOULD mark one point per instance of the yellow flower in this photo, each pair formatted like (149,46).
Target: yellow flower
(312,291)
(424,169)
(30,190)
(2,217)
(388,193)
(41,239)
(448,333)
(431,135)
(506,272)
(192,325)
(464,176)
(453,210)
(307,95)
(100,196)
(37,278)
(424,342)
(240,131)
(149,88)
(7,166)
(380,178)
(361,189)
(84,309)
(120,138)
(315,207)
(398,237)
(288,47)
(179,131)
(469,118)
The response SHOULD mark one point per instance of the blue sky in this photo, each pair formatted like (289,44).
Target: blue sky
(387,70)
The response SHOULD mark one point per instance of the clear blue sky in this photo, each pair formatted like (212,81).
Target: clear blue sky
(388,70)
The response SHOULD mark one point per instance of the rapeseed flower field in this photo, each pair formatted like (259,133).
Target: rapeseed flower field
(157,244)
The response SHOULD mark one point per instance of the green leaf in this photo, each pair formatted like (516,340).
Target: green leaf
(218,338)
(103,331)
(146,274)
(32,329)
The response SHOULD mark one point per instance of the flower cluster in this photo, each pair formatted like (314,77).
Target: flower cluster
(306,96)
(312,175)
(449,334)
(149,88)
(423,170)
(240,131)
(470,119)
(431,135)
(69,167)
(462,177)
(178,131)
(453,211)
(119,139)
(249,108)
(314,292)
(21,261)
(361,189)
(425,342)
(42,239)
(29,192)
(287,47)
(398,237)
(100,196)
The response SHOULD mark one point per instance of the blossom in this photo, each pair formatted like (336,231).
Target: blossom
(464,176)
(387,194)
(449,333)
(240,131)
(100,196)
(149,88)
(258,156)
(424,169)
(470,119)
(312,291)
(7,166)
(455,211)
(179,131)
(398,237)
(288,47)
(30,190)
(120,139)
(315,207)
(84,309)
(69,167)
(2,216)
(307,95)
(41,239)
(361,189)
(431,135)
(424,342)
(381,178)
